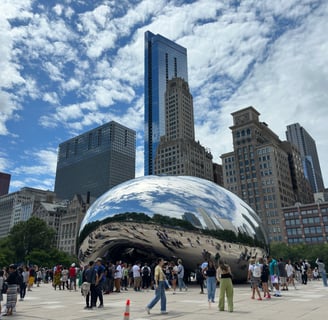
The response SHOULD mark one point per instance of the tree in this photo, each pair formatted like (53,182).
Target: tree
(26,236)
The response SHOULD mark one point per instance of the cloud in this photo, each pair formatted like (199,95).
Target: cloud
(79,65)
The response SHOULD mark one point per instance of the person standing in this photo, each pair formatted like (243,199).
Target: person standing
(254,275)
(181,282)
(64,278)
(223,275)
(72,277)
(100,278)
(145,271)
(200,278)
(13,282)
(136,276)
(322,271)
(210,275)
(274,275)
(118,276)
(89,276)
(282,274)
(290,274)
(159,286)
(265,278)
(2,280)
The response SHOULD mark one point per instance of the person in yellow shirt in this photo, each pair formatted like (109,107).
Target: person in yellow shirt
(159,286)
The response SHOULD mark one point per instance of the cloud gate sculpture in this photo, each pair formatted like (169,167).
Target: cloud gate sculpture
(173,217)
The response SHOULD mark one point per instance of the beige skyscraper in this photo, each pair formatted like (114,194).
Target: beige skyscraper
(178,153)
(263,171)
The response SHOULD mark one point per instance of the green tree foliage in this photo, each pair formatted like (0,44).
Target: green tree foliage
(6,254)
(300,251)
(30,235)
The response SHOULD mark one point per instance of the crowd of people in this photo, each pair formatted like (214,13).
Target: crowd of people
(267,276)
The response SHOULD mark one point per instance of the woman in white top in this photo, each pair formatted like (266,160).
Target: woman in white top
(290,273)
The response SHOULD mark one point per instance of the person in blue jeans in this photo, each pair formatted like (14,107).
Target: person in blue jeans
(210,275)
(159,285)
(181,283)
(322,271)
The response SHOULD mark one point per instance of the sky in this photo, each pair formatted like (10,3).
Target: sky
(70,66)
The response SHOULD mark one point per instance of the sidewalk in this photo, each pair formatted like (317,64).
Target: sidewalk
(308,302)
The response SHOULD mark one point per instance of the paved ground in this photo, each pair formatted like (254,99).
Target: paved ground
(308,302)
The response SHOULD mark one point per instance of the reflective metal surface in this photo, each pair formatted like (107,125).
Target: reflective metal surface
(110,230)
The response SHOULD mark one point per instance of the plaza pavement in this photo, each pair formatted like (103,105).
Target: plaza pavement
(308,302)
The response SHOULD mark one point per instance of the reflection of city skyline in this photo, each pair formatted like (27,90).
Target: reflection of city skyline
(208,205)
(204,204)
(130,241)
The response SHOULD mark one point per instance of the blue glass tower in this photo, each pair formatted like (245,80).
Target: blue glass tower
(164,60)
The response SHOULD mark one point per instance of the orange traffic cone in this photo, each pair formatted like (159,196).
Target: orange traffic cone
(127,310)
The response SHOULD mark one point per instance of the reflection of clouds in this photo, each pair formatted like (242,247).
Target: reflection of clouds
(173,196)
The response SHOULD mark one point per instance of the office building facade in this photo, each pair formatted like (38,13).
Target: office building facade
(259,171)
(95,161)
(164,60)
(306,223)
(297,135)
(178,153)
(19,206)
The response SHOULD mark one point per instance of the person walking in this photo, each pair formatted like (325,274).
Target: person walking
(210,275)
(159,286)
(223,275)
(322,271)
(181,282)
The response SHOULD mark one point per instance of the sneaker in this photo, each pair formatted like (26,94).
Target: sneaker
(147,310)
(101,306)
(163,312)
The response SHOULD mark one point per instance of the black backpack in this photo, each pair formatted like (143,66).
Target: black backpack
(145,271)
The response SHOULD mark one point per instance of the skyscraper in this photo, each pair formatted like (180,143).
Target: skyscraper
(297,135)
(95,161)
(177,152)
(260,171)
(164,60)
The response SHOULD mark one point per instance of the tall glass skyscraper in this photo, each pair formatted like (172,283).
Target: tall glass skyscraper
(297,135)
(95,161)
(164,60)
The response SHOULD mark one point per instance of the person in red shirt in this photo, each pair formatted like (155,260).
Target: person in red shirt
(72,272)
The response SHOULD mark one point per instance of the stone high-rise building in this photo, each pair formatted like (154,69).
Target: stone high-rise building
(260,171)
(178,153)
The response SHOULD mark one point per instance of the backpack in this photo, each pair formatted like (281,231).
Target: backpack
(4,288)
(85,288)
(145,271)
(256,271)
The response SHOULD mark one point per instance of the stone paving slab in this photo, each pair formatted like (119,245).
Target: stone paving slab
(308,302)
